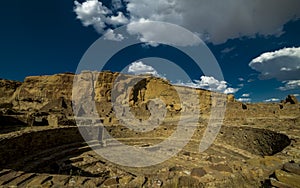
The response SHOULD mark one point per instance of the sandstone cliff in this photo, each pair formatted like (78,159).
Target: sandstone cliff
(47,100)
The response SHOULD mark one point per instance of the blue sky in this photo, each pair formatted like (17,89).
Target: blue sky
(48,37)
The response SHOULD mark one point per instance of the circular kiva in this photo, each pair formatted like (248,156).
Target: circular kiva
(61,157)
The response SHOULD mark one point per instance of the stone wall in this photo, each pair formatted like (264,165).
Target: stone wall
(52,96)
(16,146)
(7,90)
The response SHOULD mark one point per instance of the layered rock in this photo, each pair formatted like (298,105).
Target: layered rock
(52,96)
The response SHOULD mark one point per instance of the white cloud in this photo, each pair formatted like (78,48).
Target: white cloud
(111,35)
(227,50)
(94,13)
(220,21)
(152,33)
(210,83)
(230,90)
(139,68)
(160,10)
(283,64)
(205,82)
(241,79)
(244,99)
(246,95)
(296,95)
(272,100)
(120,19)
(213,20)
(285,69)
(290,85)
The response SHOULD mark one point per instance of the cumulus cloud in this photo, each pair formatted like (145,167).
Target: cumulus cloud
(161,10)
(111,35)
(219,21)
(139,68)
(94,13)
(272,100)
(212,84)
(119,19)
(246,95)
(152,33)
(213,20)
(231,90)
(290,85)
(283,64)
(244,99)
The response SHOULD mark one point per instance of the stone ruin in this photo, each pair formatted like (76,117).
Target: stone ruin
(41,144)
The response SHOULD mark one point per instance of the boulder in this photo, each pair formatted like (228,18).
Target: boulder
(198,172)
(276,183)
(221,168)
(290,179)
(230,98)
(188,181)
(292,167)
(111,181)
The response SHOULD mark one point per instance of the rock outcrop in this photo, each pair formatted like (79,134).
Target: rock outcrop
(291,99)
(52,96)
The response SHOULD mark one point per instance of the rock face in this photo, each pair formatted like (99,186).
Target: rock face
(52,95)
(32,101)
(38,91)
